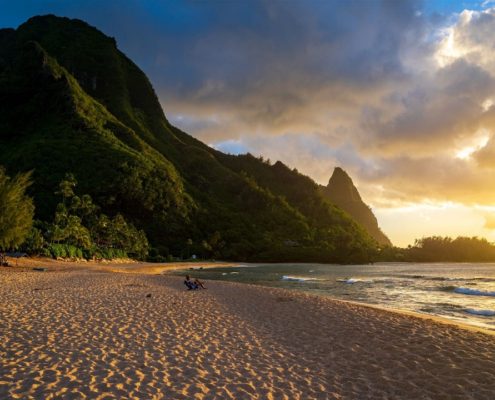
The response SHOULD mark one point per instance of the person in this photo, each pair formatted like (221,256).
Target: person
(193,285)
(190,284)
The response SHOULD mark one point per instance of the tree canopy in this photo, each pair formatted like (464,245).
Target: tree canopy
(16,210)
(80,229)
(460,249)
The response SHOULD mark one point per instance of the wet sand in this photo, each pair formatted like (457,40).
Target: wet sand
(78,332)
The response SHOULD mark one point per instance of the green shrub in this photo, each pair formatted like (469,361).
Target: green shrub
(62,250)
(16,210)
(57,250)
(34,243)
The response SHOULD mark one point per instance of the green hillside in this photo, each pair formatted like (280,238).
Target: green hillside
(71,102)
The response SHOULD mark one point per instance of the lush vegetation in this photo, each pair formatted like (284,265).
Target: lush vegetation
(80,230)
(460,249)
(16,210)
(71,102)
(442,249)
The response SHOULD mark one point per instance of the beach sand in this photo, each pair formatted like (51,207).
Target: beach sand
(75,333)
(120,265)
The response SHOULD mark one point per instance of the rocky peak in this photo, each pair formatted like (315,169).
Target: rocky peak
(342,192)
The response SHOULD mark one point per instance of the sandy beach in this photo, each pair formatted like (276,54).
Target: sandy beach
(89,333)
(127,266)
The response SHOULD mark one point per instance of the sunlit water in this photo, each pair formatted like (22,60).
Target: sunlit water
(462,292)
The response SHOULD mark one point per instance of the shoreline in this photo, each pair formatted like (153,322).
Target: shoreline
(407,313)
(433,318)
(128,266)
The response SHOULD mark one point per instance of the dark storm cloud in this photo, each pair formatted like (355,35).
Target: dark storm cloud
(284,67)
(296,46)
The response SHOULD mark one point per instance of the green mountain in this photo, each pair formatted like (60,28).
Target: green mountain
(342,192)
(71,102)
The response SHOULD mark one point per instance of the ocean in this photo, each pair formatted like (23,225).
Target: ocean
(463,292)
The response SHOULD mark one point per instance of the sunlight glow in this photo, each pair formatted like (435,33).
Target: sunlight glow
(447,51)
(487,104)
(466,152)
(430,219)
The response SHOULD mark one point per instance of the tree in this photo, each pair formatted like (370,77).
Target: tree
(16,210)
(66,187)
(79,226)
(446,249)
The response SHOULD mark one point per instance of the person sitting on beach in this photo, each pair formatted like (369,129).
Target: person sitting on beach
(193,285)
(190,284)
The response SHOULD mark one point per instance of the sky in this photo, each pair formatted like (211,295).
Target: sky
(399,93)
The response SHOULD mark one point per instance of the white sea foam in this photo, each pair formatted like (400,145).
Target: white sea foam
(485,313)
(473,292)
(387,279)
(292,278)
(349,281)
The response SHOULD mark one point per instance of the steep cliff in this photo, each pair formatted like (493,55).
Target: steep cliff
(342,192)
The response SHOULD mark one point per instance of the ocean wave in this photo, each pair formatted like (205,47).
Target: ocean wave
(449,288)
(473,292)
(292,278)
(483,279)
(389,280)
(449,278)
(351,281)
(444,278)
(452,279)
(429,278)
(485,313)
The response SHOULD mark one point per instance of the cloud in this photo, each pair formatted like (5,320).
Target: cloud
(436,113)
(379,101)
